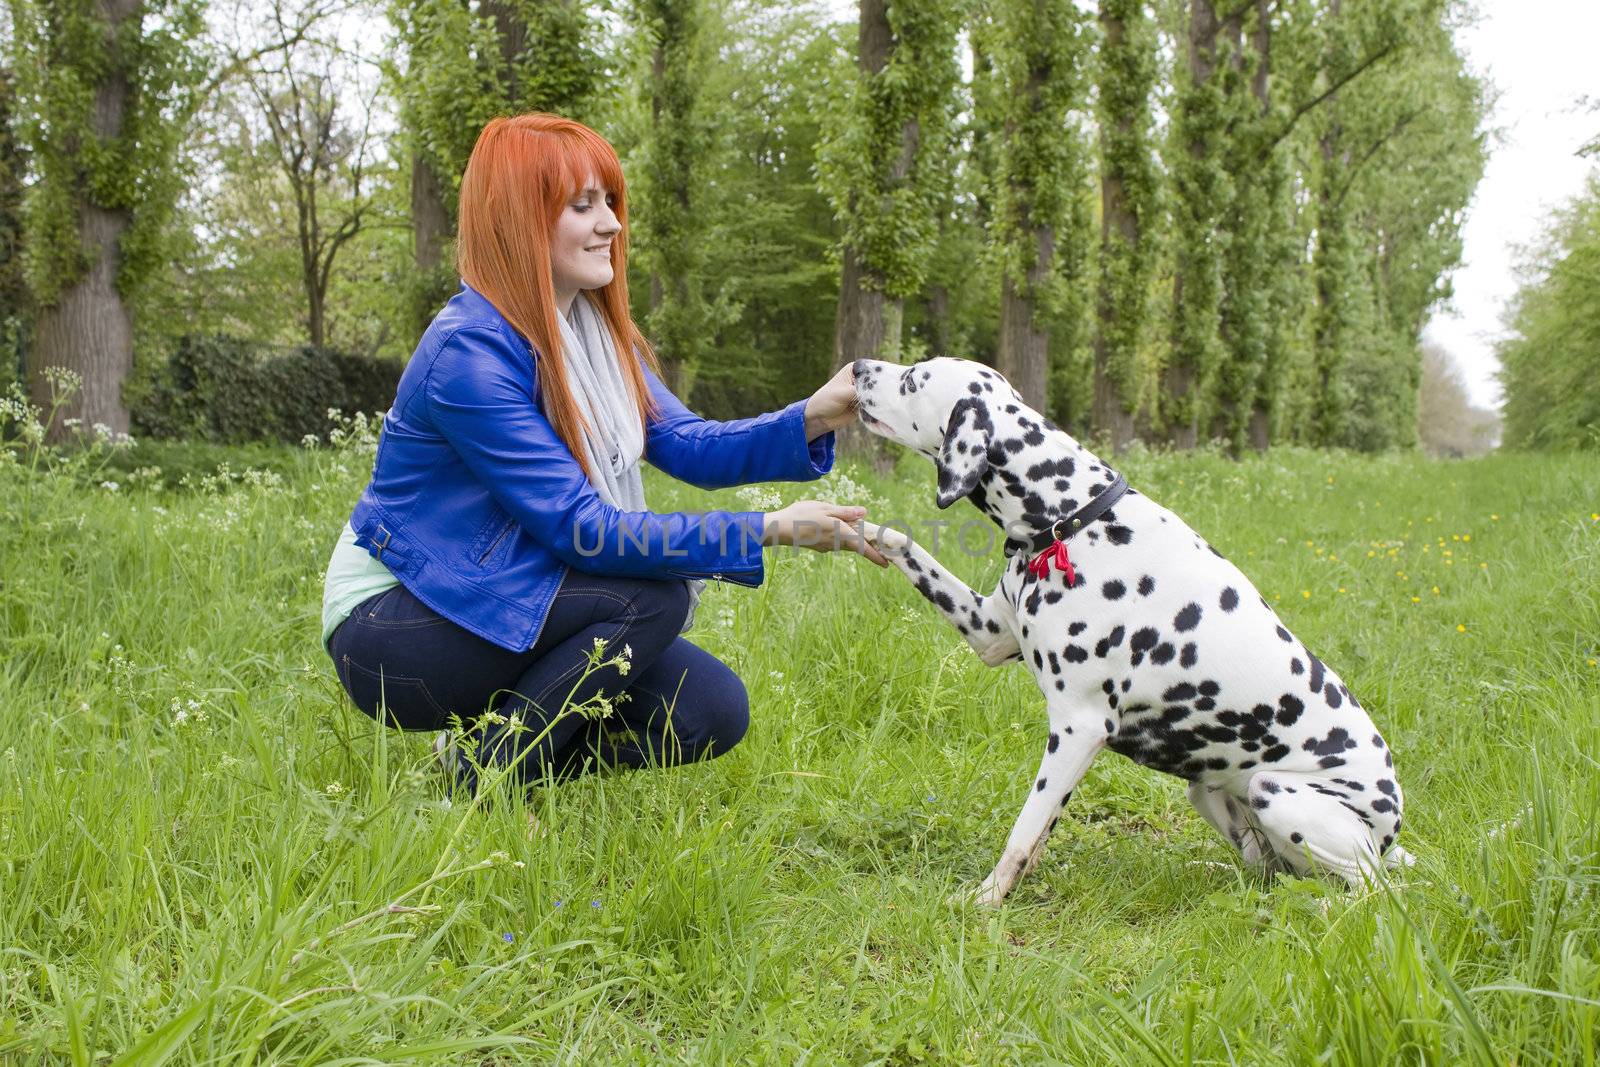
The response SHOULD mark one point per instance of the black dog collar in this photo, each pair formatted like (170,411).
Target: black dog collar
(1062,529)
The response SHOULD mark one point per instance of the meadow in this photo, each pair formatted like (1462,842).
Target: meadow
(207,856)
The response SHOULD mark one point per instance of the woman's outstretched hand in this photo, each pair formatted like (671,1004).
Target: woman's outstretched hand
(822,526)
(832,407)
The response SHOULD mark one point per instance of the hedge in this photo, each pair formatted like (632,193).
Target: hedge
(228,390)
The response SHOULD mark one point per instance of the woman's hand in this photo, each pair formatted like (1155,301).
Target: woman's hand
(834,405)
(822,526)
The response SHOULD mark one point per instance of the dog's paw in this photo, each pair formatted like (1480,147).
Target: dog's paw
(886,538)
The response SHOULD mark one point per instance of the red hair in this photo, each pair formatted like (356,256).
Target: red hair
(522,172)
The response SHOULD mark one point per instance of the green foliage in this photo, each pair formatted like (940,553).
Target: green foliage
(769,237)
(65,49)
(1127,74)
(886,192)
(1552,359)
(15,301)
(672,170)
(225,390)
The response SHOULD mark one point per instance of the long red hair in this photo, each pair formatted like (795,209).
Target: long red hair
(521,175)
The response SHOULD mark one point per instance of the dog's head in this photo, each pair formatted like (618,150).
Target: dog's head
(944,408)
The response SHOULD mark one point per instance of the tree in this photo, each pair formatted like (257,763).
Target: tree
(885,162)
(1202,191)
(104,91)
(325,159)
(1448,422)
(14,300)
(1552,358)
(460,65)
(1129,211)
(669,184)
(1040,228)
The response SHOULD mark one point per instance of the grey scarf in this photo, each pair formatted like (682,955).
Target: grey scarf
(614,440)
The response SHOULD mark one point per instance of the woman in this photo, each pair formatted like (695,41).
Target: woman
(504,535)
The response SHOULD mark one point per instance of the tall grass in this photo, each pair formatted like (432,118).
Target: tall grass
(207,856)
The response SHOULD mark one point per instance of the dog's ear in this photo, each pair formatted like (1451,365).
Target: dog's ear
(964,458)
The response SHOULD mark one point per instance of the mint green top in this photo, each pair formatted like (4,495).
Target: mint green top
(353,576)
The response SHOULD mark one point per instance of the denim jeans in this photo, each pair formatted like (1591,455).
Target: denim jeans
(407,666)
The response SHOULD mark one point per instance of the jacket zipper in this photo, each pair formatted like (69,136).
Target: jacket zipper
(496,544)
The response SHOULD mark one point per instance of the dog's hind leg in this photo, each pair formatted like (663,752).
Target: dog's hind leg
(1076,737)
(1314,832)
(985,621)
(1233,822)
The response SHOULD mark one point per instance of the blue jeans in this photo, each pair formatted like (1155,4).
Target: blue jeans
(407,666)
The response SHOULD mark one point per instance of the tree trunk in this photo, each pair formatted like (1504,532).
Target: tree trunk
(1024,343)
(430,232)
(88,327)
(938,312)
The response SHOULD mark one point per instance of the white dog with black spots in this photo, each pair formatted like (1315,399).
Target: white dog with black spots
(1147,642)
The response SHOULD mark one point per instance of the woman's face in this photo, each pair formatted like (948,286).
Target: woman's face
(580,247)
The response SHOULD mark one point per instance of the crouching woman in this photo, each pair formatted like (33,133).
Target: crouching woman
(504,533)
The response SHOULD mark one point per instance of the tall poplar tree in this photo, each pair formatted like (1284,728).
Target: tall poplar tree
(461,65)
(885,160)
(1129,212)
(104,88)
(1040,231)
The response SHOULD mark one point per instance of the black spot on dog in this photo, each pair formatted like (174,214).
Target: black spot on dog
(1075,654)
(1189,656)
(1107,643)
(1113,590)
(1143,640)
(1147,585)
(1162,654)
(1054,743)
(1229,599)
(1119,535)
(1275,753)
(1297,837)
(1386,786)
(1283,635)
(1338,740)
(1296,667)
(1289,710)
(1377,741)
(1181,691)
(1259,803)
(1315,680)
(1188,618)
(1077,628)
(1040,784)
(1330,762)
(1331,695)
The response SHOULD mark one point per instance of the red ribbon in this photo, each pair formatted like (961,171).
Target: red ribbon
(1039,566)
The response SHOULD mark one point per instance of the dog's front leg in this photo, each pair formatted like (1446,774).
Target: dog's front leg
(1076,737)
(985,621)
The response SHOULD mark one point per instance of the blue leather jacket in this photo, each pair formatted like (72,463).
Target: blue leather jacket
(479,508)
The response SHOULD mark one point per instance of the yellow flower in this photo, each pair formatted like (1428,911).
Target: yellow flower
(1594,663)
(1341,589)
(1483,566)
(1594,516)
(1466,537)
(1416,600)
(1461,628)
(1370,553)
(1306,593)
(1494,518)
(1436,589)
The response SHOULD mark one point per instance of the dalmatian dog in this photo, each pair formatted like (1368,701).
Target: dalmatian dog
(1141,636)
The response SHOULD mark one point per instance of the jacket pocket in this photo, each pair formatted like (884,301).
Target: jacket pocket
(499,539)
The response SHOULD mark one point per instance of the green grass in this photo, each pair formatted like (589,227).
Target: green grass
(215,887)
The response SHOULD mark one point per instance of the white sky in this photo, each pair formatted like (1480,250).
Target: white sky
(1540,57)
